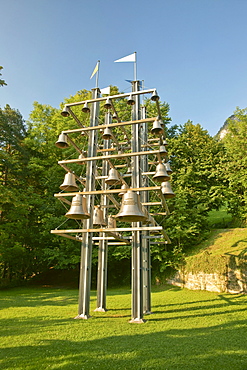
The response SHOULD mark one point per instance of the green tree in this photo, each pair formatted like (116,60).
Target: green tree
(198,180)
(235,142)
(2,82)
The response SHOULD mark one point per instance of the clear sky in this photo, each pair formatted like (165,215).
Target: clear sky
(193,51)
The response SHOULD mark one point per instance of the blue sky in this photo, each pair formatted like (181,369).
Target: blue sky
(193,51)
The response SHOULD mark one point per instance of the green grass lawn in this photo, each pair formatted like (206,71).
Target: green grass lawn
(187,330)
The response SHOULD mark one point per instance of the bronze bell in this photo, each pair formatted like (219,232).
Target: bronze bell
(112,223)
(163,151)
(98,218)
(131,208)
(155,96)
(62,141)
(82,156)
(113,178)
(107,134)
(78,209)
(69,183)
(123,191)
(85,108)
(167,190)
(161,174)
(130,100)
(108,104)
(65,112)
(168,168)
(157,129)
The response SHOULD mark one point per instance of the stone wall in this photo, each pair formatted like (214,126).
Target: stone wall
(233,281)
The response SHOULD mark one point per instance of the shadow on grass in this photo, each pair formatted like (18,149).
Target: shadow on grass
(218,347)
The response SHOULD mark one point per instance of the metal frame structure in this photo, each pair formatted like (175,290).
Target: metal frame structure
(139,156)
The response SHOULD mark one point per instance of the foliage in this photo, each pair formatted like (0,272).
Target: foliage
(2,82)
(235,142)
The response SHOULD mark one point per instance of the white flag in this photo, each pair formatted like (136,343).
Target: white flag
(105,91)
(128,58)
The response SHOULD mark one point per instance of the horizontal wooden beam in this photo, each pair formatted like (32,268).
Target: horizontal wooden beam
(110,230)
(110,156)
(105,192)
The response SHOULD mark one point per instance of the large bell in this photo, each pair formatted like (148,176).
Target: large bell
(107,134)
(157,129)
(98,218)
(113,178)
(78,209)
(167,190)
(161,174)
(62,141)
(69,183)
(131,208)
(168,168)
(124,188)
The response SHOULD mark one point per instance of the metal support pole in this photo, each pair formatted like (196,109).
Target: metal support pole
(103,243)
(137,259)
(86,247)
(145,239)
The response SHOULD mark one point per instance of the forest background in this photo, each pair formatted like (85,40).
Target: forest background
(208,173)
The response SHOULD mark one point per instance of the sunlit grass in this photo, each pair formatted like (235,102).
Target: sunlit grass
(187,330)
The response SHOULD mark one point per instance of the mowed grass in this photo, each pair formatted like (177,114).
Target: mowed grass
(187,330)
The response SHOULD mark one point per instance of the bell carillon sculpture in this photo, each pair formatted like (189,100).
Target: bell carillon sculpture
(119,175)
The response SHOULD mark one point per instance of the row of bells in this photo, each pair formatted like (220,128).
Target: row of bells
(157,130)
(131,209)
(162,174)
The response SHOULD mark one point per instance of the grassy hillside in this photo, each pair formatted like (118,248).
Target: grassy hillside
(223,247)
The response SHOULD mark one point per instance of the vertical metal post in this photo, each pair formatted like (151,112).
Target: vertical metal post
(137,284)
(145,239)
(86,247)
(103,244)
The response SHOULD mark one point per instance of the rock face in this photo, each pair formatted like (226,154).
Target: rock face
(233,281)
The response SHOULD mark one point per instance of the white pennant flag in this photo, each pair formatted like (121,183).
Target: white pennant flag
(105,91)
(128,58)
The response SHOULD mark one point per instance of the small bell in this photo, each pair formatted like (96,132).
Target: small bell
(157,129)
(62,141)
(123,187)
(82,156)
(161,174)
(98,219)
(112,223)
(113,178)
(131,208)
(107,134)
(108,104)
(167,190)
(130,100)
(78,209)
(155,96)
(65,112)
(85,108)
(163,151)
(69,183)
(168,168)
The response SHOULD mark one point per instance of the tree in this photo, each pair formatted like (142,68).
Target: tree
(2,82)
(198,180)
(235,142)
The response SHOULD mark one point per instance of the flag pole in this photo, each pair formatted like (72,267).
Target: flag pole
(97,75)
(135,68)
